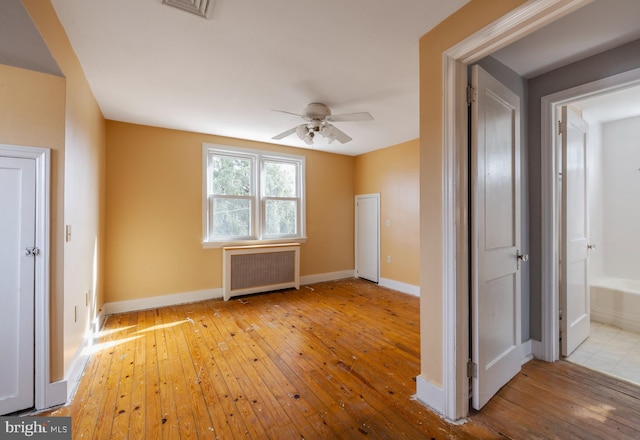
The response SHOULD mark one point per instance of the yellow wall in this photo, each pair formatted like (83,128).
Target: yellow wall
(154,212)
(466,21)
(78,200)
(32,108)
(394,172)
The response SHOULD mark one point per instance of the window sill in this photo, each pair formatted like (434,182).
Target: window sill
(221,244)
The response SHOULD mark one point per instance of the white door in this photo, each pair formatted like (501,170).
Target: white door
(495,236)
(17,233)
(574,285)
(367,237)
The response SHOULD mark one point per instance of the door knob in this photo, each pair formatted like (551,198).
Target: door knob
(521,257)
(591,247)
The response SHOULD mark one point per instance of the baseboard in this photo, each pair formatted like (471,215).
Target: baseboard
(56,394)
(323,277)
(76,369)
(99,320)
(400,287)
(430,395)
(526,352)
(154,302)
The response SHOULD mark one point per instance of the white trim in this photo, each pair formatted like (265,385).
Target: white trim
(430,395)
(173,299)
(44,396)
(155,302)
(400,286)
(324,277)
(548,349)
(257,234)
(56,394)
(525,352)
(507,29)
(68,387)
(76,369)
(221,244)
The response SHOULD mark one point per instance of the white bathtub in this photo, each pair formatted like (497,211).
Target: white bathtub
(616,301)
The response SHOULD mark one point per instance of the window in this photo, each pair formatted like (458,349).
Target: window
(251,195)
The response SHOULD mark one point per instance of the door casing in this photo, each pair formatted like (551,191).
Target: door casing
(46,394)
(454,401)
(549,348)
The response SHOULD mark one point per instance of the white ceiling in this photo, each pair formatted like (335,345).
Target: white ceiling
(612,106)
(153,64)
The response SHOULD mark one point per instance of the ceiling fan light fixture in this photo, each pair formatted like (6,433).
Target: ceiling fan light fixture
(302,131)
(319,117)
(201,8)
(309,138)
(328,133)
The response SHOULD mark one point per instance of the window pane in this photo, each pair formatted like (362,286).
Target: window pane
(231,218)
(231,176)
(280,179)
(280,217)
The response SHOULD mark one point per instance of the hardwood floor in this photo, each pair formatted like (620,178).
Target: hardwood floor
(335,360)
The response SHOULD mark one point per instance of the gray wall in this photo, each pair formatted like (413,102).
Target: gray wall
(518,85)
(612,62)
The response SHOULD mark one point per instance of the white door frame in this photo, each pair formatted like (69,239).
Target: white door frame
(523,20)
(44,395)
(367,196)
(549,348)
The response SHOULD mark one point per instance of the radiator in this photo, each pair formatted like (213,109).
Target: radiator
(261,268)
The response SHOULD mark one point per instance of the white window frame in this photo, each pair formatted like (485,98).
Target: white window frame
(258,200)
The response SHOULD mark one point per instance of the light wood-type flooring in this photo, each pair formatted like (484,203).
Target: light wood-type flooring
(335,360)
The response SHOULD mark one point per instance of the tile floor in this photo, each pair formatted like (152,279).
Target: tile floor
(610,350)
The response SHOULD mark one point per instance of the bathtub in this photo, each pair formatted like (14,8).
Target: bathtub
(616,301)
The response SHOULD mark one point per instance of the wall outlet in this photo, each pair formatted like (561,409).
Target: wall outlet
(388,258)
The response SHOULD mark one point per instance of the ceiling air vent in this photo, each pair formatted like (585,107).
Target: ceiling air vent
(201,8)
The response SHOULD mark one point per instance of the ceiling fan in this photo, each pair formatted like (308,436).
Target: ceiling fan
(318,117)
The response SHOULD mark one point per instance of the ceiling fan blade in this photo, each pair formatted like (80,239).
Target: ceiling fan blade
(284,134)
(340,135)
(284,111)
(361,116)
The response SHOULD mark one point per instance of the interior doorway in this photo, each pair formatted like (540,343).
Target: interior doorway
(18,253)
(367,237)
(612,345)
(452,398)
(551,147)
(45,394)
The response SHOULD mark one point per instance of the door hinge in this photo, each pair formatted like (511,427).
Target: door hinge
(471,95)
(562,127)
(472,370)
(32,251)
